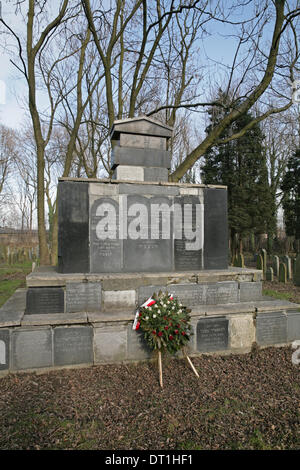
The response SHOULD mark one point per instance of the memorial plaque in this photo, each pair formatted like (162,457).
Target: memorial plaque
(149,243)
(4,349)
(215,229)
(189,230)
(293,325)
(271,328)
(106,247)
(250,291)
(41,300)
(73,345)
(188,294)
(31,348)
(222,293)
(212,334)
(83,296)
(73,227)
(110,343)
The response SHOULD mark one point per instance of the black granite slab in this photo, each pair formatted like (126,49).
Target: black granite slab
(215,229)
(40,300)
(212,334)
(140,157)
(73,227)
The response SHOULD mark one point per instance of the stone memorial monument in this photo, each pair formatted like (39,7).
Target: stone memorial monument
(120,240)
(155,226)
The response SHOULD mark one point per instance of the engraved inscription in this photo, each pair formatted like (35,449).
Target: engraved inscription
(212,334)
(222,292)
(105,253)
(185,257)
(72,345)
(41,300)
(271,329)
(83,296)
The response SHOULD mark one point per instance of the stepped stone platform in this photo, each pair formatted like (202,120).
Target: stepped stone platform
(119,241)
(89,316)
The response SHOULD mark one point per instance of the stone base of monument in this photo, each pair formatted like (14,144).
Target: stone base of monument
(66,320)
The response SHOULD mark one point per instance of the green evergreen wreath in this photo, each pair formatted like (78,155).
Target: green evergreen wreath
(165,323)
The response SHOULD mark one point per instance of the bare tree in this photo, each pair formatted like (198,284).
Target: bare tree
(98,61)
(55,60)
(8,154)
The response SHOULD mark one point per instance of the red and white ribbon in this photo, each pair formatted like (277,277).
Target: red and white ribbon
(148,303)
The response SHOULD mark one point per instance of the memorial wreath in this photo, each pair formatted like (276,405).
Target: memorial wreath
(165,324)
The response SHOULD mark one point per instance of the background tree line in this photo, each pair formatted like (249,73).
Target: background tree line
(87,63)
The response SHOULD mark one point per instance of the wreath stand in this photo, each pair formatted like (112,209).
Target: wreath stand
(188,361)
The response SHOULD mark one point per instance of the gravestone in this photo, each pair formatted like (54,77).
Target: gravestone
(270,274)
(271,328)
(282,273)
(297,272)
(264,258)
(212,334)
(287,261)
(276,265)
(239,261)
(293,261)
(260,262)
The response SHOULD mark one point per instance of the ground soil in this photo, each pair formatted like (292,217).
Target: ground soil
(292,292)
(248,401)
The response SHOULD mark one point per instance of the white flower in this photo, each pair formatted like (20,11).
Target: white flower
(173,308)
(180,311)
(165,305)
(158,311)
(168,302)
(150,308)
(180,305)
(156,306)
(147,318)
(154,316)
